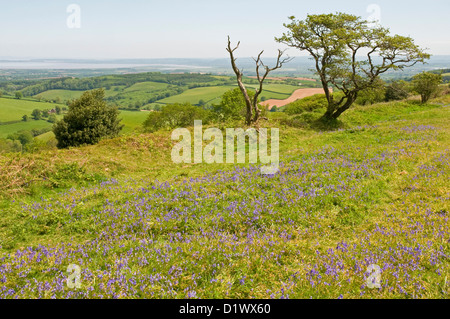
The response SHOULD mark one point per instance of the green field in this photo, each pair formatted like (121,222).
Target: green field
(141,92)
(13,109)
(147,90)
(146,87)
(114,90)
(280,88)
(212,95)
(46,136)
(276,91)
(5,130)
(63,95)
(132,119)
(130,94)
(193,96)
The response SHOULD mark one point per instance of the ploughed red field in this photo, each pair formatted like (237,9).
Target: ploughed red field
(298,94)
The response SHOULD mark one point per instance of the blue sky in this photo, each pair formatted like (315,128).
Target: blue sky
(196,28)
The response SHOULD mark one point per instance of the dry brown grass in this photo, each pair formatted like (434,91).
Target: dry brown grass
(122,156)
(17,172)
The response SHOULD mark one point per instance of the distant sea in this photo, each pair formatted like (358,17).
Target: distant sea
(86,64)
(301,66)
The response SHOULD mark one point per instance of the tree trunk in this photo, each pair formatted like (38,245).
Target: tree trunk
(328,114)
(344,107)
(257,112)
(332,113)
(248,103)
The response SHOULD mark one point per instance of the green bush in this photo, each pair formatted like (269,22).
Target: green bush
(176,115)
(426,84)
(52,118)
(24,137)
(45,114)
(88,120)
(10,146)
(36,114)
(66,174)
(397,90)
(35,146)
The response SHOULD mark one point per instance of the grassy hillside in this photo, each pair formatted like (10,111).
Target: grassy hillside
(46,136)
(146,87)
(63,95)
(373,192)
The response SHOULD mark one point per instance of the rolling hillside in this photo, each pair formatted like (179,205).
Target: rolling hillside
(146,90)
(141,226)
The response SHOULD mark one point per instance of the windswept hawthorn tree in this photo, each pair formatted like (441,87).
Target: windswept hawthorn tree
(349,54)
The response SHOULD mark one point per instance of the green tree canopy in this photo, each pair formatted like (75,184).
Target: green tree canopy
(233,105)
(7,146)
(36,114)
(52,118)
(45,114)
(175,115)
(18,95)
(397,90)
(426,84)
(25,137)
(88,120)
(349,54)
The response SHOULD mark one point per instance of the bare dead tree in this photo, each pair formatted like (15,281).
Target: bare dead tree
(253,113)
